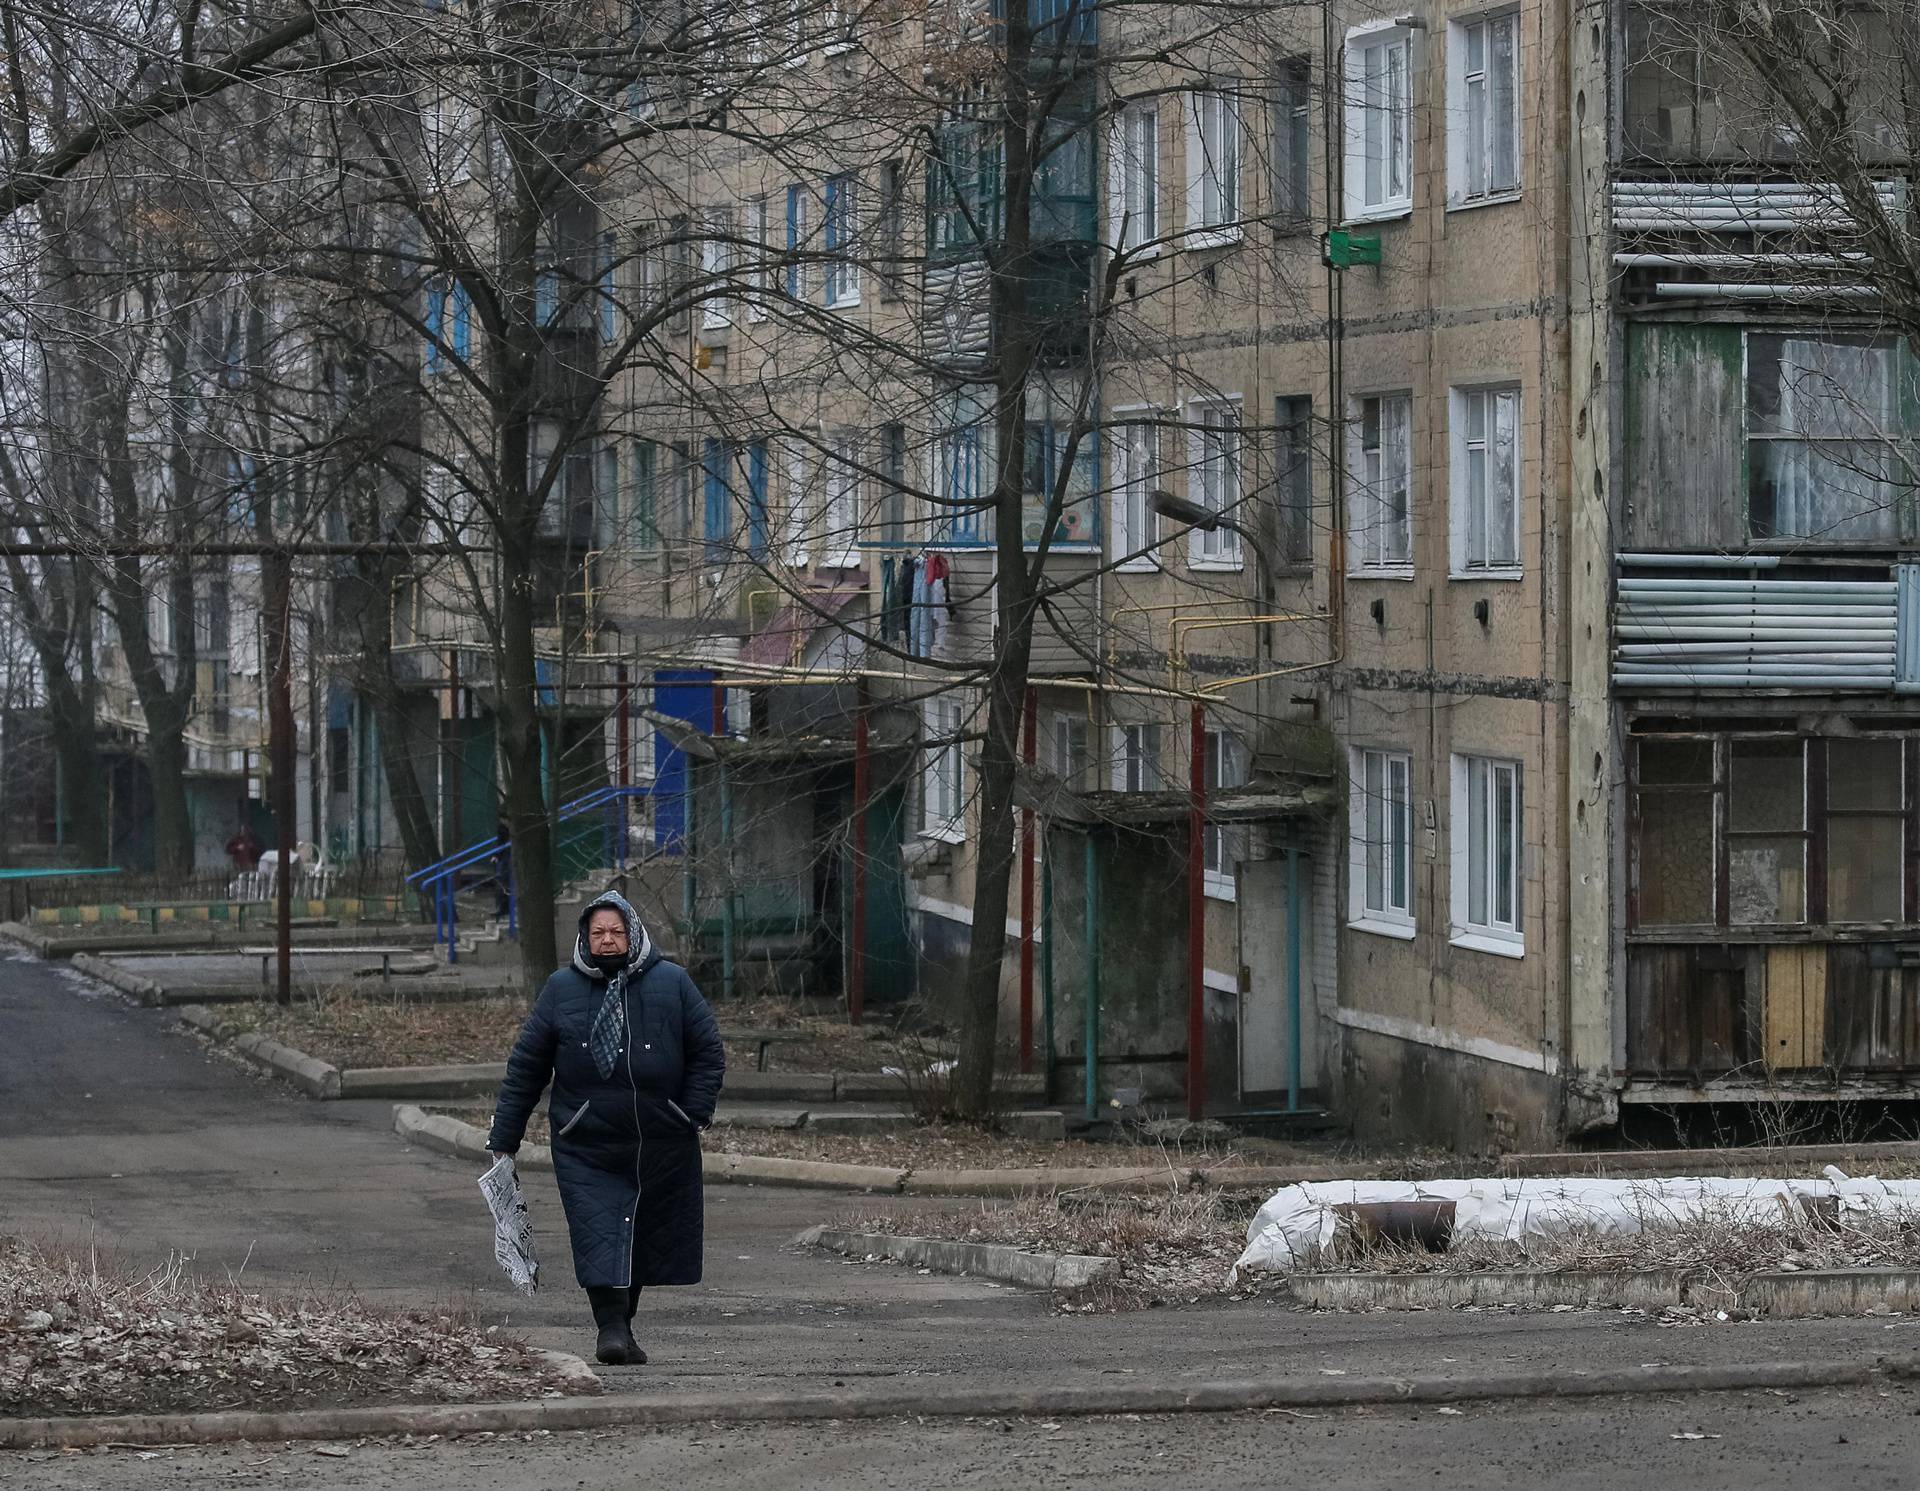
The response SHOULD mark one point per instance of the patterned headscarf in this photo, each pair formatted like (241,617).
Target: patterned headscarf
(603,1040)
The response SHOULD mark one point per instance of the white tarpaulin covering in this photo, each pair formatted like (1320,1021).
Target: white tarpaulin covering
(1299,1221)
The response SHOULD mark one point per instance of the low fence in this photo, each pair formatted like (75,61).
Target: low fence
(355,891)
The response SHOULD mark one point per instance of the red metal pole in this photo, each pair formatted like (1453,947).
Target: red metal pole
(1029,750)
(456,748)
(1197,917)
(862,768)
(719,710)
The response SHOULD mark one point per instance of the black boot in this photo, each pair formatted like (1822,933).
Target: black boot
(617,1348)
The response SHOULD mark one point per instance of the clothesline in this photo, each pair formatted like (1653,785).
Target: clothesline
(916,605)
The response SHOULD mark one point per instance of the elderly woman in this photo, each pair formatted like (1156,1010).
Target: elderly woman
(636,1063)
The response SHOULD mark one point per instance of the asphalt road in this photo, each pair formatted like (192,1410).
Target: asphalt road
(1861,1440)
(118,1130)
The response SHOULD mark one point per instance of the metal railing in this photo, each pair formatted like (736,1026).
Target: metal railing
(442,881)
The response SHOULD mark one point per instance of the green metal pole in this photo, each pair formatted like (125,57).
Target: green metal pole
(726,883)
(689,877)
(1046,960)
(1293,979)
(1092,957)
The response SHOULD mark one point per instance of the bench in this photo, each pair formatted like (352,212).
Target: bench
(761,1038)
(386,955)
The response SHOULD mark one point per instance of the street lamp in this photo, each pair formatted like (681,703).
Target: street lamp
(1209,521)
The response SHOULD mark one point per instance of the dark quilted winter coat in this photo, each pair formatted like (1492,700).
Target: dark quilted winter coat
(626,1148)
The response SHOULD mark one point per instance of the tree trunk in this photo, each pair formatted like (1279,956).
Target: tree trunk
(520,756)
(83,784)
(1013,353)
(172,820)
(419,840)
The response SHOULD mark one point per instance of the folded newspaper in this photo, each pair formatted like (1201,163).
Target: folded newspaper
(512,1228)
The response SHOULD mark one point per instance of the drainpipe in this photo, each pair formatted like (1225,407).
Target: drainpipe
(862,789)
(1293,978)
(1029,750)
(1092,958)
(1197,917)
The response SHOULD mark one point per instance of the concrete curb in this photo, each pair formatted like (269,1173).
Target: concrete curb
(313,1077)
(143,989)
(478,1079)
(947,1401)
(27,937)
(206,1022)
(1768,1296)
(1001,1261)
(820,1175)
(1651,1290)
(438,1131)
(319,1080)
(1795,1296)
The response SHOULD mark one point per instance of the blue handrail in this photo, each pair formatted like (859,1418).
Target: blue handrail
(441,877)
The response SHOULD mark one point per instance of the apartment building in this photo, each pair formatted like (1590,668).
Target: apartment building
(1744,891)
(1361,643)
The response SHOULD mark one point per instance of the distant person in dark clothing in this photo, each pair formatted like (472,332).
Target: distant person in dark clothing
(245,848)
(503,870)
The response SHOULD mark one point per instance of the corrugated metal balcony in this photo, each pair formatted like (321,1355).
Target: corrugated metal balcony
(1685,632)
(1743,240)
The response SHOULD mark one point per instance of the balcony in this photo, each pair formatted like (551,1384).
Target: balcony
(1790,241)
(1673,631)
(1749,1018)
(1066,630)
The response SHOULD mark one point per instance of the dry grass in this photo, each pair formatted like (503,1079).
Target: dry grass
(1719,1242)
(363,1030)
(820,1042)
(80,1338)
(956,1147)
(1171,1248)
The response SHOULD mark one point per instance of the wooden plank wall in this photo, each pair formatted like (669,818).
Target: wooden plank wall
(1693,1009)
(1064,635)
(1686,465)
(1834,1007)
(1873,1010)
(1796,1007)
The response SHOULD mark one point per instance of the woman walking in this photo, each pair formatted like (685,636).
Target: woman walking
(636,1063)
